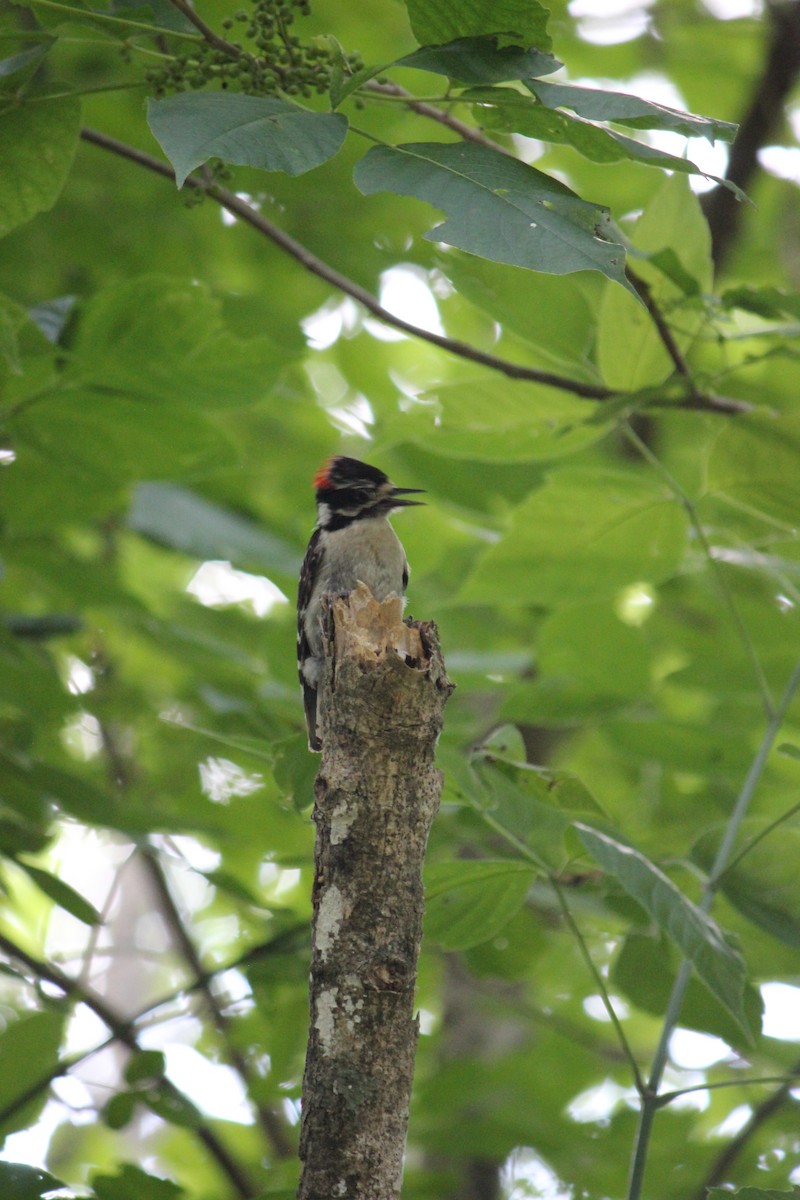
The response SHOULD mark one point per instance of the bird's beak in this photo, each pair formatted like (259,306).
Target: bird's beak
(397,492)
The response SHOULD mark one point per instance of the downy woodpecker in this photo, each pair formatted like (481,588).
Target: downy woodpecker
(352,541)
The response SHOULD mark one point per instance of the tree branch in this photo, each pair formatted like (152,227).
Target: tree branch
(381,699)
(763,116)
(271,1125)
(664,331)
(424,109)
(213,39)
(240,208)
(759,1116)
(283,942)
(123,1033)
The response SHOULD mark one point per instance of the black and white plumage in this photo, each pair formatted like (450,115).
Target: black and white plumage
(352,541)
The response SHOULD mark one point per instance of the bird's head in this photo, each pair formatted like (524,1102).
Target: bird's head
(349,490)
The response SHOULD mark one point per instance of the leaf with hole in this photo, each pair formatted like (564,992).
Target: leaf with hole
(18,1181)
(623,109)
(497,207)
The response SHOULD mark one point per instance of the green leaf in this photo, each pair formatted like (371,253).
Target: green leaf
(583,536)
(718,965)
(504,109)
(21,1182)
(505,742)
(62,894)
(438,21)
(11,317)
(589,663)
(132,1183)
(119,1110)
(172,1106)
(89,435)
(174,516)
(480,60)
(74,795)
(145,1064)
(251,131)
(763,885)
(178,329)
(768,302)
(532,805)
(37,146)
(754,463)
(553,313)
(630,350)
(622,109)
(469,902)
(645,970)
(488,421)
(25,58)
(497,207)
(29,1049)
(707,748)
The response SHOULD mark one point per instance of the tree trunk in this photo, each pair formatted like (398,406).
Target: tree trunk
(377,792)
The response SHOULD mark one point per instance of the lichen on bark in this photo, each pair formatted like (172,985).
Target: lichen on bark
(381,702)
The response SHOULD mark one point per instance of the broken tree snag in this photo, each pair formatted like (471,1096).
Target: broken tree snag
(380,712)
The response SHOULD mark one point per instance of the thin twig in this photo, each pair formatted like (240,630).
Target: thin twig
(285,941)
(240,208)
(424,109)
(695,398)
(664,332)
(727,1156)
(601,987)
(271,1124)
(651,1100)
(84,14)
(213,39)
(123,1032)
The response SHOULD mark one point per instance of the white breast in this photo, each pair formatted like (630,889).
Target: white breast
(367,550)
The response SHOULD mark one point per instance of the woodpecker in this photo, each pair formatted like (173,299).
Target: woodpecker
(352,541)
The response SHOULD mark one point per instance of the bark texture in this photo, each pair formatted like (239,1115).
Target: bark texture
(377,792)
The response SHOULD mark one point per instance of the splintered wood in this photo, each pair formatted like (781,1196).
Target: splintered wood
(372,629)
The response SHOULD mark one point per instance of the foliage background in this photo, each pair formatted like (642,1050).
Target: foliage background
(615,582)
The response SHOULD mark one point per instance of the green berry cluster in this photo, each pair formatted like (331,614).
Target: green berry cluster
(272,59)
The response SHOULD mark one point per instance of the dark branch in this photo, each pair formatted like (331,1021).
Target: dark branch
(213,39)
(240,208)
(728,1155)
(424,109)
(761,120)
(123,1033)
(271,1124)
(664,331)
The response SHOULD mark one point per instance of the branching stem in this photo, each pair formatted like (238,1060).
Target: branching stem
(123,1032)
(651,1101)
(316,266)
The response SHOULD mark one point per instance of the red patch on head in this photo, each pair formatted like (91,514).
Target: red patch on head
(322,478)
